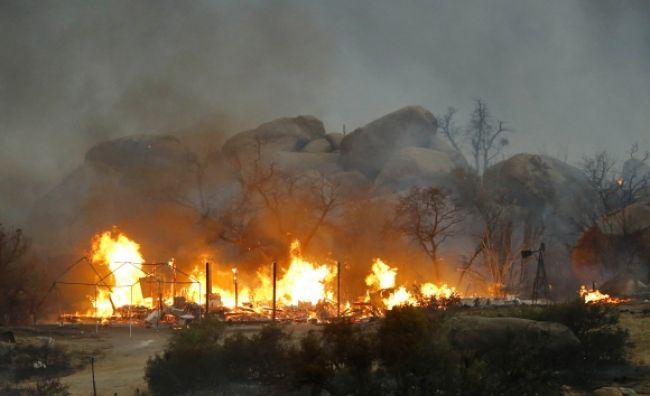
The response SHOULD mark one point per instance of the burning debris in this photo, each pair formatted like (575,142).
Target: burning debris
(595,296)
(123,259)
(304,291)
(381,282)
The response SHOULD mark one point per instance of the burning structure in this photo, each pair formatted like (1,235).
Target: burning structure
(129,287)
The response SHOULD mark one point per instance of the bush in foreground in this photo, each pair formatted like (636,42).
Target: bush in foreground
(406,353)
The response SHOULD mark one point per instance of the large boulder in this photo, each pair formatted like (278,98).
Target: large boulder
(318,146)
(536,181)
(283,134)
(301,162)
(416,166)
(335,139)
(368,148)
(614,391)
(141,153)
(483,334)
(126,182)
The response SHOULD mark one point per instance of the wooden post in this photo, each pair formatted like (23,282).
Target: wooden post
(338,290)
(208,287)
(159,305)
(234,279)
(92,367)
(173,262)
(274,289)
(131,315)
(96,324)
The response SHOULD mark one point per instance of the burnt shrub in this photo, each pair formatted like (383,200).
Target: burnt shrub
(48,387)
(40,358)
(42,387)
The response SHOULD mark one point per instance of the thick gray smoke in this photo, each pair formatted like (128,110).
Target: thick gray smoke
(570,77)
(76,73)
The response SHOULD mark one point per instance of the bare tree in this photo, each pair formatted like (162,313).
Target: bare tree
(193,192)
(448,127)
(427,216)
(12,279)
(323,197)
(613,189)
(607,239)
(504,235)
(298,205)
(487,139)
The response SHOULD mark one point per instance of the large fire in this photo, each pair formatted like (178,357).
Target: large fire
(382,276)
(123,259)
(597,297)
(304,282)
(382,280)
(300,284)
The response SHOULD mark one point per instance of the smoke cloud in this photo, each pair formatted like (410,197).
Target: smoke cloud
(570,77)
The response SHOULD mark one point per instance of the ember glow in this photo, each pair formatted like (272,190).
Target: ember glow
(597,297)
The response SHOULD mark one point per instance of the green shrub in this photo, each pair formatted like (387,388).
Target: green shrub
(339,360)
(189,360)
(518,365)
(408,353)
(413,355)
(202,358)
(311,364)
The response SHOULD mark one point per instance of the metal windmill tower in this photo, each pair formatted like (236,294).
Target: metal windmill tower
(541,287)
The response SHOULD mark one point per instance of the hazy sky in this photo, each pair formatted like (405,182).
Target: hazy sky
(570,77)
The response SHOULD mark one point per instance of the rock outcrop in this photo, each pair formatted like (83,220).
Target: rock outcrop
(367,149)
(283,134)
(536,182)
(416,166)
(483,334)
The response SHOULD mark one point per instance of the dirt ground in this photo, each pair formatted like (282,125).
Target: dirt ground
(120,361)
(119,366)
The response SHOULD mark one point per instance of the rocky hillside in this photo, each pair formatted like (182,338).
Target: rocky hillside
(156,187)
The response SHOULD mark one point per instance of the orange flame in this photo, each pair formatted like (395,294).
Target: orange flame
(383,277)
(597,297)
(122,257)
(303,282)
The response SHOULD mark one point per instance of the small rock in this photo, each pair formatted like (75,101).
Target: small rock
(614,391)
